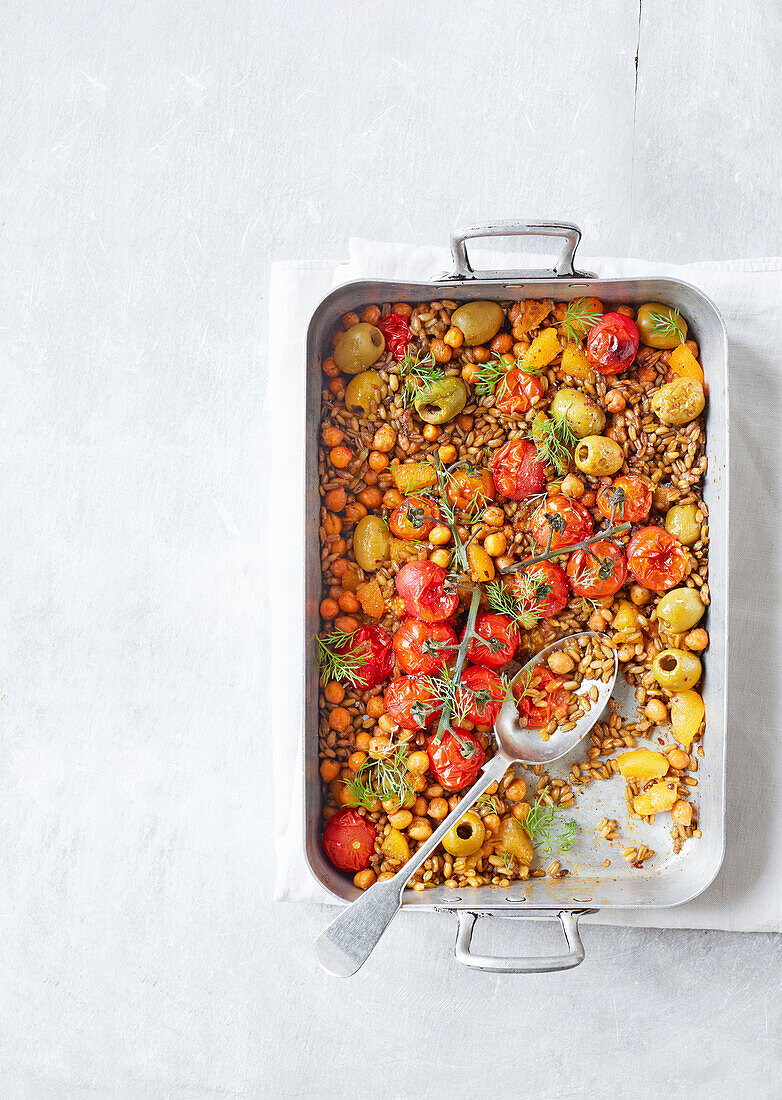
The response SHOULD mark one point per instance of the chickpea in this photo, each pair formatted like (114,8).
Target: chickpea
(392,498)
(385,876)
(417,763)
(371,315)
(386,723)
(678,759)
(340,567)
(595,621)
(415,782)
(385,439)
(363,741)
(466,423)
(364,879)
(370,498)
(516,790)
(521,810)
(454,338)
(481,354)
(420,829)
(334,692)
(692,346)
(656,711)
(501,343)
(339,546)
(346,623)
(349,320)
(496,544)
(354,512)
(589,498)
(491,823)
(378,461)
(503,562)
(441,558)
(640,595)
(329,609)
(420,807)
(471,373)
(335,500)
(332,436)
(697,639)
(646,375)
(441,351)
(349,603)
(455,799)
(329,770)
(520,349)
(438,808)
(681,813)
(432,433)
(380,747)
(332,525)
(376,706)
(628,311)
(573,487)
(615,402)
(339,719)
(337,387)
(401,819)
(440,535)
(356,760)
(559,662)
(402,308)
(330,368)
(447,453)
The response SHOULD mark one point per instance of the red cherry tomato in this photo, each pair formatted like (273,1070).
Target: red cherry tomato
(484,696)
(518,392)
(397,334)
(518,472)
(456,761)
(422,586)
(656,559)
(466,485)
(629,498)
(564,520)
(349,840)
(612,343)
(423,647)
(411,701)
(414,519)
(497,641)
(537,715)
(551,590)
(595,579)
(373,645)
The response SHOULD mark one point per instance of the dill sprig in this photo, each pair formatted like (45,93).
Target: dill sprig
(540,823)
(554,442)
(488,802)
(381,780)
(524,605)
(419,372)
(496,370)
(579,318)
(668,324)
(337,660)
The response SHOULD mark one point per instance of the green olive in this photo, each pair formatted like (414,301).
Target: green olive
(441,401)
(679,402)
(466,837)
(360,347)
(598,456)
(371,542)
(681,522)
(582,415)
(660,326)
(363,391)
(676,669)
(679,610)
(478,321)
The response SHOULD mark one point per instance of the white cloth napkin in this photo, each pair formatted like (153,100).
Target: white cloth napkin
(747,894)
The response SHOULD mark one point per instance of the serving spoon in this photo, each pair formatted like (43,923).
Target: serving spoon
(345,944)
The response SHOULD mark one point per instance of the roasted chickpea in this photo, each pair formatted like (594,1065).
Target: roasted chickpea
(380,747)
(496,544)
(348,603)
(573,487)
(329,770)
(420,829)
(615,402)
(363,740)
(481,355)
(454,338)
(681,813)
(432,433)
(370,498)
(471,373)
(440,535)
(656,711)
(640,595)
(392,498)
(438,808)
(441,351)
(560,663)
(385,439)
(697,639)
(371,315)
(441,558)
(340,457)
(334,692)
(375,706)
(678,759)
(346,623)
(335,500)
(502,343)
(364,879)
(447,453)
(339,719)
(378,461)
(516,790)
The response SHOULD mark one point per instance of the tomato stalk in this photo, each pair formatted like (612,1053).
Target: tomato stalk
(562,550)
(469,634)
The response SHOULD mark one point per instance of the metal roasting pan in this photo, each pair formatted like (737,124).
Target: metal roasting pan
(668,879)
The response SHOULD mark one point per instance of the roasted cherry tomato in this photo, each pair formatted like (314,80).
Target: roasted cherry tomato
(628,499)
(536,713)
(414,519)
(656,559)
(423,587)
(469,484)
(612,343)
(550,590)
(484,695)
(372,645)
(397,334)
(456,761)
(518,472)
(518,392)
(412,702)
(599,573)
(349,840)
(497,641)
(563,520)
(424,647)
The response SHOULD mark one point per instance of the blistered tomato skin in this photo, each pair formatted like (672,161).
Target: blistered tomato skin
(487,692)
(411,702)
(537,716)
(518,392)
(599,573)
(497,641)
(422,586)
(562,520)
(656,559)
(612,343)
(628,499)
(517,470)
(349,841)
(424,647)
(374,645)
(551,588)
(455,761)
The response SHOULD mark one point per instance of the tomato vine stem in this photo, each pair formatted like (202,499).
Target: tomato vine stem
(583,545)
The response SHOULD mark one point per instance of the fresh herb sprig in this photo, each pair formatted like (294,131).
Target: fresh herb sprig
(541,822)
(419,372)
(580,317)
(563,551)
(381,780)
(525,605)
(496,370)
(554,442)
(337,660)
(668,324)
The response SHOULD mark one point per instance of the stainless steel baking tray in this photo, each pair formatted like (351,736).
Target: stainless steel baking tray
(672,879)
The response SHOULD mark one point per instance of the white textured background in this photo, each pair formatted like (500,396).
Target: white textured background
(155,157)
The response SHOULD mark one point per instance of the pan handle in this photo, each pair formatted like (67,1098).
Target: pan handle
(522,965)
(564,269)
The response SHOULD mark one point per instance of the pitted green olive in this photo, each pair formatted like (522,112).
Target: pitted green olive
(370,542)
(440,402)
(360,347)
(581,414)
(679,402)
(676,669)
(466,837)
(362,391)
(660,326)
(681,522)
(598,456)
(679,610)
(478,321)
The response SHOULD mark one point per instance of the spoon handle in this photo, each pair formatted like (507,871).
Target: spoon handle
(345,944)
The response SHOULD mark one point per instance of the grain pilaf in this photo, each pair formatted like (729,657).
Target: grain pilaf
(548,456)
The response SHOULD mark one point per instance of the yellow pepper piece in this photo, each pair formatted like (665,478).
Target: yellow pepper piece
(575,362)
(481,564)
(626,619)
(410,477)
(684,364)
(642,764)
(687,713)
(542,351)
(395,847)
(659,797)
